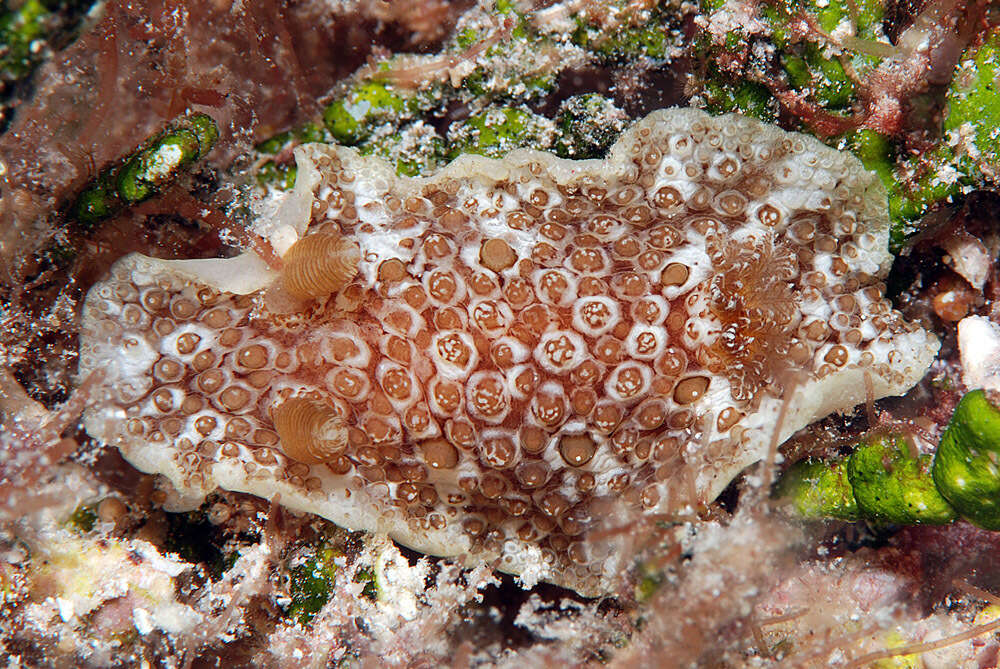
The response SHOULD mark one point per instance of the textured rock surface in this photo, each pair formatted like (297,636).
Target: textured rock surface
(532,346)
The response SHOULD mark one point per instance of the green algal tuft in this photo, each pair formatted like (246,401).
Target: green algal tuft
(876,152)
(649,583)
(148,170)
(366,575)
(968,155)
(772,52)
(893,485)
(865,15)
(883,481)
(811,66)
(746,97)
(467,37)
(506,6)
(97,202)
(83,518)
(485,84)
(28,29)
(922,182)
(974,110)
(636,33)
(205,131)
(588,125)
(415,149)
(497,130)
(274,144)
(367,104)
(19,28)
(909,197)
(825,77)
(311,582)
(279,175)
(967,462)
(818,489)
(522,66)
(307,132)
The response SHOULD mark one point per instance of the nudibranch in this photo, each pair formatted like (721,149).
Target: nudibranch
(486,361)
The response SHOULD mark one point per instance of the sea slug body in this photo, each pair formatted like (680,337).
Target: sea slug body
(529,346)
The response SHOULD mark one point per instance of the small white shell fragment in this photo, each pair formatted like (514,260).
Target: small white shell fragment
(142,620)
(969,257)
(979,349)
(65,608)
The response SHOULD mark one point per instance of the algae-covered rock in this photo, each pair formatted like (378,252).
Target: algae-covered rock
(148,170)
(751,52)
(414,149)
(27,30)
(625,31)
(588,125)
(498,130)
(354,116)
(974,111)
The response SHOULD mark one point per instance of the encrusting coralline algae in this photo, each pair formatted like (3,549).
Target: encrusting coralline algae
(520,351)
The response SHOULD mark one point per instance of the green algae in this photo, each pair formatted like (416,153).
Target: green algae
(19,28)
(28,31)
(881,482)
(740,73)
(968,153)
(83,518)
(585,126)
(369,578)
(353,117)
(737,78)
(737,69)
(973,101)
(824,77)
(414,149)
(966,463)
(307,132)
(396,122)
(280,175)
(147,171)
(588,125)
(818,489)
(647,40)
(746,97)
(310,583)
(891,486)
(496,131)
(313,572)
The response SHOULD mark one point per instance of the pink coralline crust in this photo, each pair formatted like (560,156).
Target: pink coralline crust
(532,347)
